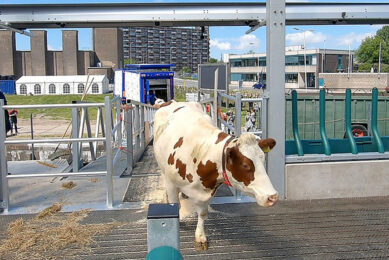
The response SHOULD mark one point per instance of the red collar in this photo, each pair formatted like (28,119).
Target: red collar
(226,181)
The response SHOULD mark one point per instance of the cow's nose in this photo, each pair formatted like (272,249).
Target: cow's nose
(272,199)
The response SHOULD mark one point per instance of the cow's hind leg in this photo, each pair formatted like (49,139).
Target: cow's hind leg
(200,238)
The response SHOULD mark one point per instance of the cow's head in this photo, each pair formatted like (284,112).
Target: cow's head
(245,158)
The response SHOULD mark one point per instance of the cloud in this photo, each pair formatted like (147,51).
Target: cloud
(353,38)
(310,37)
(221,45)
(51,48)
(248,42)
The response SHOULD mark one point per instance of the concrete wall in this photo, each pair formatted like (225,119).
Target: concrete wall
(39,53)
(7,53)
(355,81)
(326,180)
(70,52)
(23,64)
(86,59)
(101,71)
(108,46)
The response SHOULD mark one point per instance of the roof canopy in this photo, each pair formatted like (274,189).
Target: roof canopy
(61,79)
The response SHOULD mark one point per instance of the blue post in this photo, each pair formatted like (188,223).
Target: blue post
(147,91)
(347,124)
(323,134)
(296,133)
(374,128)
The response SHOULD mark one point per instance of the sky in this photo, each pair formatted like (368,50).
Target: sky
(231,39)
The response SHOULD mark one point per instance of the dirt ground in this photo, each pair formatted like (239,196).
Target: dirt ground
(44,128)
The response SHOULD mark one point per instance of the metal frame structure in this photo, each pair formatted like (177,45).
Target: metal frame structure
(251,14)
(134,123)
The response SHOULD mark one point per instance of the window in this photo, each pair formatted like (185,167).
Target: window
(52,89)
(23,89)
(340,63)
(291,77)
(37,89)
(80,88)
(95,88)
(66,88)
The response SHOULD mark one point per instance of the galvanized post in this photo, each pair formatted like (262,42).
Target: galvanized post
(275,81)
(89,131)
(347,126)
(215,88)
(118,119)
(238,113)
(142,128)
(296,133)
(130,147)
(238,129)
(163,226)
(322,116)
(374,128)
(137,131)
(219,106)
(75,146)
(4,196)
(109,151)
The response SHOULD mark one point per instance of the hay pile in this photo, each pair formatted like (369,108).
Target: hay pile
(68,185)
(49,235)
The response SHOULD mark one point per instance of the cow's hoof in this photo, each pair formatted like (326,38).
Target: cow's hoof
(201,246)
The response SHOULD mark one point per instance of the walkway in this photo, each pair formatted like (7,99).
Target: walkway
(322,229)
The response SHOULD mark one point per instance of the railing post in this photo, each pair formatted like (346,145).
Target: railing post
(137,131)
(347,125)
(142,128)
(75,146)
(296,133)
(238,113)
(238,129)
(109,151)
(4,196)
(374,128)
(118,119)
(219,106)
(130,147)
(322,111)
(264,107)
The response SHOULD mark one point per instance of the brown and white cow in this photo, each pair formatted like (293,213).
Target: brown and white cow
(193,154)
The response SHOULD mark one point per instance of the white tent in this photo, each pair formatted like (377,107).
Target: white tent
(61,85)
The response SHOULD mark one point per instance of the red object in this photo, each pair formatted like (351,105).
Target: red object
(226,181)
(208,108)
(358,133)
(387,89)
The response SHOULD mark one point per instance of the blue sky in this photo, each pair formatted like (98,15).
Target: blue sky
(231,39)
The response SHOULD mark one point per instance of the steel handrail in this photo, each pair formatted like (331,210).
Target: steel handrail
(64,140)
(78,105)
(323,133)
(73,174)
(374,128)
(296,133)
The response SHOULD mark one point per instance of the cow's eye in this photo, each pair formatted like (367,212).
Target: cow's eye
(246,166)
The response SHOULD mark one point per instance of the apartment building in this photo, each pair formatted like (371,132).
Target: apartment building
(184,46)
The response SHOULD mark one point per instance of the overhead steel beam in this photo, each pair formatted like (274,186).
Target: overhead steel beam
(23,16)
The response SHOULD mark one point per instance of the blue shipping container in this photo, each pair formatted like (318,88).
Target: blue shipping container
(7,86)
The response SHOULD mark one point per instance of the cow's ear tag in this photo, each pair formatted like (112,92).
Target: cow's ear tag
(266,149)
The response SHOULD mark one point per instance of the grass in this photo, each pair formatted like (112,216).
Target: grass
(53,113)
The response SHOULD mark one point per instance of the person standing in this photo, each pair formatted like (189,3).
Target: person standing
(7,123)
(13,114)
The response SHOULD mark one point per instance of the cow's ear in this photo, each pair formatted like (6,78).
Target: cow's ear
(267,144)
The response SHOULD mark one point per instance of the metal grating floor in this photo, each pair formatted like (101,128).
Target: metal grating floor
(321,229)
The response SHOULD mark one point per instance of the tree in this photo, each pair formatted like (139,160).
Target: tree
(368,52)
(212,60)
(185,70)
(129,61)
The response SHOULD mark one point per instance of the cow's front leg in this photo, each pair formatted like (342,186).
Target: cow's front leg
(200,238)
(172,191)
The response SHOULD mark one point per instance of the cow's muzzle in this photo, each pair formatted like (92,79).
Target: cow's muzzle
(271,200)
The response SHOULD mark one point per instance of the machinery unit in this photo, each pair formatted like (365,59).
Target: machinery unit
(139,82)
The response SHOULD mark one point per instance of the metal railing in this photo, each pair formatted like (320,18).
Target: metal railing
(134,126)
